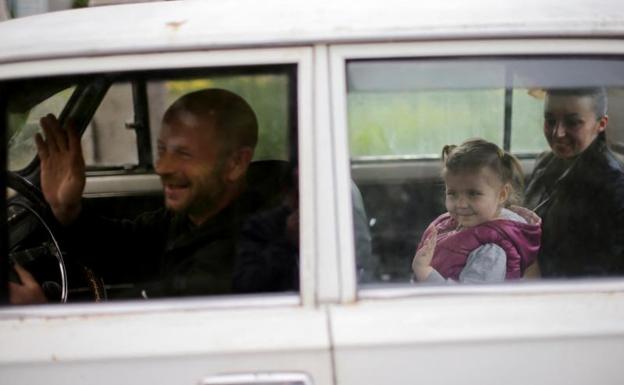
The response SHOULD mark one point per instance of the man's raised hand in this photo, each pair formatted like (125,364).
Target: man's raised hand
(62,168)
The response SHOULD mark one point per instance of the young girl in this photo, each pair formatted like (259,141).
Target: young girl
(482,237)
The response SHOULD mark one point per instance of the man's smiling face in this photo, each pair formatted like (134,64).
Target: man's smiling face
(190,164)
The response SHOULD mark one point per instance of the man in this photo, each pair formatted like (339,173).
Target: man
(205,146)
(578,188)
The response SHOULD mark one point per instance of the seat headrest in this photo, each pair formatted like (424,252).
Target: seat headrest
(268,181)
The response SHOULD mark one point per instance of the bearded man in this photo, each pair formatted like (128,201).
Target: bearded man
(205,146)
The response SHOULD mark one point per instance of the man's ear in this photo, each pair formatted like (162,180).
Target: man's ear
(237,163)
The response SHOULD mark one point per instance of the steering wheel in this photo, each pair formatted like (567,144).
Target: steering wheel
(37,206)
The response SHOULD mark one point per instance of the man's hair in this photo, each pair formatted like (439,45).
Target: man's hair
(597,94)
(234,120)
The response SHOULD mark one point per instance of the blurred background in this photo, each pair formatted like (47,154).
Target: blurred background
(19,8)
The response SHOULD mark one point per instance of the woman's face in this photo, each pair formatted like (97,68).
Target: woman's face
(570,124)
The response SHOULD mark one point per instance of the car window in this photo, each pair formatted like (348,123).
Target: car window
(403,112)
(192,209)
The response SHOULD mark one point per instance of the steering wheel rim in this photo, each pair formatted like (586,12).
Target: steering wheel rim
(31,193)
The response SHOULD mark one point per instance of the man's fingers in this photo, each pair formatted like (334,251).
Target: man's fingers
(73,138)
(29,292)
(59,133)
(61,139)
(25,276)
(21,295)
(48,130)
(42,148)
(56,136)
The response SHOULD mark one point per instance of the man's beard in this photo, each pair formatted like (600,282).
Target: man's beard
(206,194)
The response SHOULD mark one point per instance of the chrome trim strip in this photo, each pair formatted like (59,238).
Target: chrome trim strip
(152,306)
(122,184)
(529,288)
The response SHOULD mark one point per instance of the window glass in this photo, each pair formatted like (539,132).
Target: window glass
(111,142)
(266,93)
(527,111)
(24,112)
(221,221)
(559,117)
(108,142)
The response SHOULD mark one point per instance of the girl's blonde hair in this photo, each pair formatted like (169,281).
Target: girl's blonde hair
(474,154)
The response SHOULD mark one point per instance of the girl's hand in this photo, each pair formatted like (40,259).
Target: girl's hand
(421,265)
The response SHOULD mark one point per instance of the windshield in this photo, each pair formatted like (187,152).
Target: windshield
(27,106)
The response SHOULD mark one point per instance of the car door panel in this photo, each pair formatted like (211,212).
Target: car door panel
(479,338)
(153,345)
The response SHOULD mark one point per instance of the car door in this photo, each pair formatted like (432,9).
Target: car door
(425,95)
(255,339)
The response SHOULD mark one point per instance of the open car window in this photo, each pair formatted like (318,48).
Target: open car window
(401,114)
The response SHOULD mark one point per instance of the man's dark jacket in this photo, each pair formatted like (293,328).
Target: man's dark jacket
(582,212)
(162,253)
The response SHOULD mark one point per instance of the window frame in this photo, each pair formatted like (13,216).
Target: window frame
(340,54)
(301,57)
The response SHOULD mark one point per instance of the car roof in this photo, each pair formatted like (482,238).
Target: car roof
(183,25)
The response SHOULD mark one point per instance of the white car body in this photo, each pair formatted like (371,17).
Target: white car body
(332,333)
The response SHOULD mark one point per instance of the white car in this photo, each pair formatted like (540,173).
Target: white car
(356,93)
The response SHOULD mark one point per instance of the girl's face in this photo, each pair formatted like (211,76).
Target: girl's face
(474,197)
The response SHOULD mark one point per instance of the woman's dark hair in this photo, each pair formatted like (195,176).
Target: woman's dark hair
(475,154)
(597,94)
